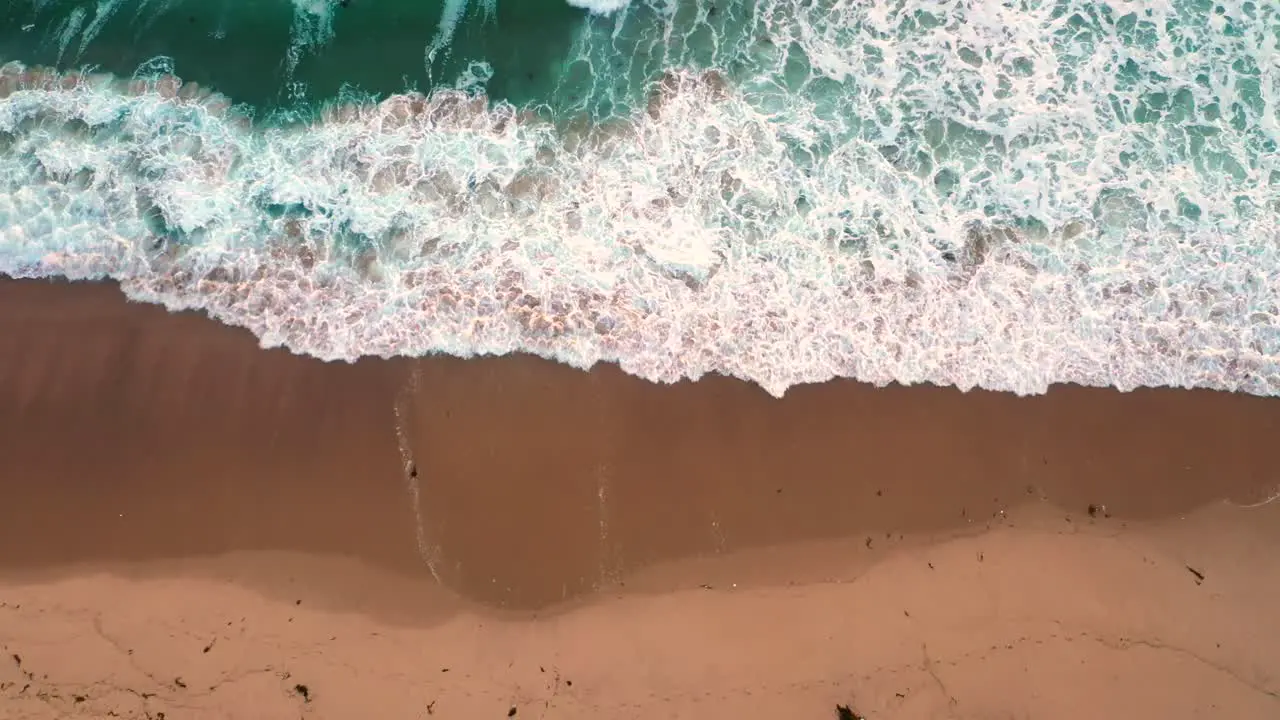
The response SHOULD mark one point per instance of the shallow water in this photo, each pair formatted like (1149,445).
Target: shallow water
(997,194)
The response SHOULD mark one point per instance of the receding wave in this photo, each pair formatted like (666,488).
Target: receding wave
(969,193)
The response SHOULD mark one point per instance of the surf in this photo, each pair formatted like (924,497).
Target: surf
(975,194)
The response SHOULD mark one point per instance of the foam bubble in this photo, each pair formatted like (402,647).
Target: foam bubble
(963,194)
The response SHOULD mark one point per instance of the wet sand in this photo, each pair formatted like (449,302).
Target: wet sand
(178,501)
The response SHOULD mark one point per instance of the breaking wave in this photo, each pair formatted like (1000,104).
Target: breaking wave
(962,192)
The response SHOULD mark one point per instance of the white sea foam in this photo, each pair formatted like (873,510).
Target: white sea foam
(600,7)
(964,203)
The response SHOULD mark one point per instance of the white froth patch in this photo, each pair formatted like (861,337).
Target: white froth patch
(976,205)
(600,7)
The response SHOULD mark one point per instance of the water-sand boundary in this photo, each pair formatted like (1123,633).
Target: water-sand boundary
(162,472)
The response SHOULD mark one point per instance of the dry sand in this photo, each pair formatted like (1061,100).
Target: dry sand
(196,528)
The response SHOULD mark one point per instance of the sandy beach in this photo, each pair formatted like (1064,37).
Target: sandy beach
(195,527)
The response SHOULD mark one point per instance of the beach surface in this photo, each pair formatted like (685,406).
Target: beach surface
(195,527)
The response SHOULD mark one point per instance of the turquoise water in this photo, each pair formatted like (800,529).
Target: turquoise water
(1004,194)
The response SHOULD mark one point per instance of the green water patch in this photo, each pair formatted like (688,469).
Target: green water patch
(276,54)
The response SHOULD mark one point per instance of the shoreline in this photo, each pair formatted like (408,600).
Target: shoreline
(369,259)
(537,482)
(180,502)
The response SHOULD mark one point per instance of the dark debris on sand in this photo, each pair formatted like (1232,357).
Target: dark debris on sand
(844,712)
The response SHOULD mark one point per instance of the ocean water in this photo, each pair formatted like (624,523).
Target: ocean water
(981,193)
